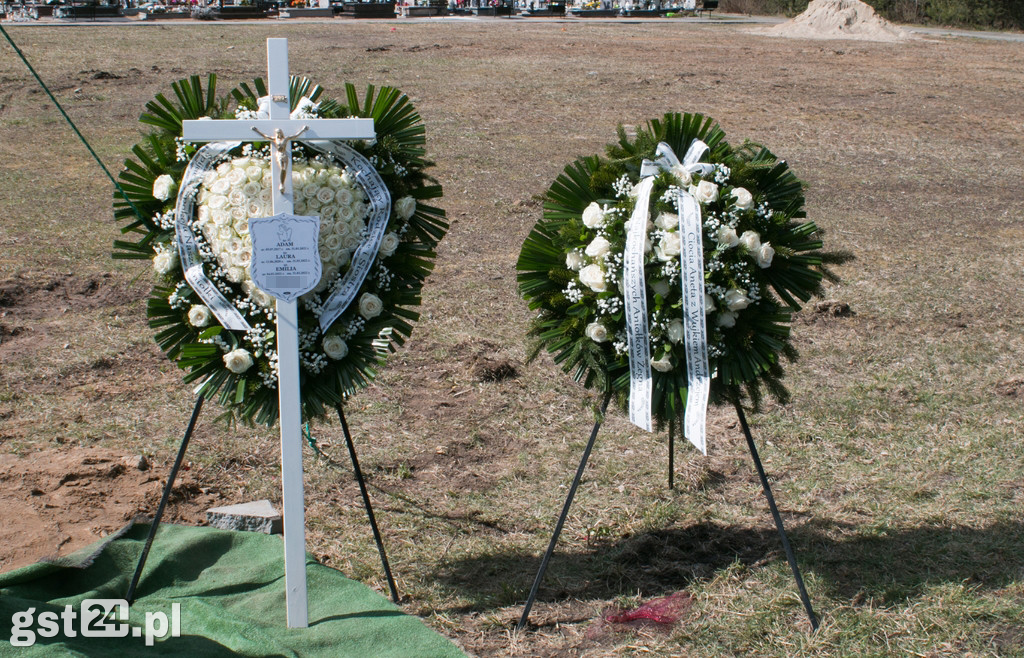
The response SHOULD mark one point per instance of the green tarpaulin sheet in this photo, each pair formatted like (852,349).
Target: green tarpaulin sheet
(230,591)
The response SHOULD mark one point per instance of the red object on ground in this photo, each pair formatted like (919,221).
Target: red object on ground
(664,610)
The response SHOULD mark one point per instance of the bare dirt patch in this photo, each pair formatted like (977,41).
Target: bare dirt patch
(58,501)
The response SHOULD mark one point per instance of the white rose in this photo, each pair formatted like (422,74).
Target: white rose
(254,173)
(669,246)
(351,241)
(251,190)
(660,287)
(335,181)
(370,306)
(592,277)
(726,319)
(593,216)
(727,235)
(709,304)
(736,299)
(405,207)
(238,361)
(333,242)
(706,192)
(164,187)
(243,258)
(262,298)
(682,173)
(344,196)
(199,315)
(335,347)
(236,177)
(165,261)
(667,221)
(236,197)
(597,332)
(346,213)
(765,255)
(218,202)
(325,194)
(751,241)
(744,200)
(675,331)
(598,247)
(220,217)
(574,260)
(220,187)
(664,364)
(236,274)
(388,244)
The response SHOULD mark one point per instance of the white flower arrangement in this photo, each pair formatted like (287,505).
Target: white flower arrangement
(239,367)
(759,264)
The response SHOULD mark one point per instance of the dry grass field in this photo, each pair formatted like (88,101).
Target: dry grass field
(898,465)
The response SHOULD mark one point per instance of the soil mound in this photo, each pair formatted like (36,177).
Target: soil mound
(839,19)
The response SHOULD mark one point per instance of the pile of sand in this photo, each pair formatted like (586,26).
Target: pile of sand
(839,19)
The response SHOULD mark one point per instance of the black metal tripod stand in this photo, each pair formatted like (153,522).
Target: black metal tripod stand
(130,596)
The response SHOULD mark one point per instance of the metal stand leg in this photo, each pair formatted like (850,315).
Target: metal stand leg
(778,519)
(561,519)
(130,596)
(366,503)
(672,454)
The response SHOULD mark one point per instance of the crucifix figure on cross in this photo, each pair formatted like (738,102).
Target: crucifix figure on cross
(276,129)
(280,143)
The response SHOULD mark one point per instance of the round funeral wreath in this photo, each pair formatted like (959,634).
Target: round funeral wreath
(760,263)
(239,367)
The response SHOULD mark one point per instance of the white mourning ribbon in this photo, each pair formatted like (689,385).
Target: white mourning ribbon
(380,210)
(635,293)
(698,377)
(188,250)
(692,277)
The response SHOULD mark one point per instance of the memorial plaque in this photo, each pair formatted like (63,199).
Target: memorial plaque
(285,258)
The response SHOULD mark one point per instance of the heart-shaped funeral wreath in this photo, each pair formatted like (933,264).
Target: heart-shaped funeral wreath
(667,271)
(189,211)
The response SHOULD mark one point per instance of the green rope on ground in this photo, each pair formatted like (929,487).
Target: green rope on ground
(70,122)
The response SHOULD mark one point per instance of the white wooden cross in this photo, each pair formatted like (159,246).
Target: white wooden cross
(282,129)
